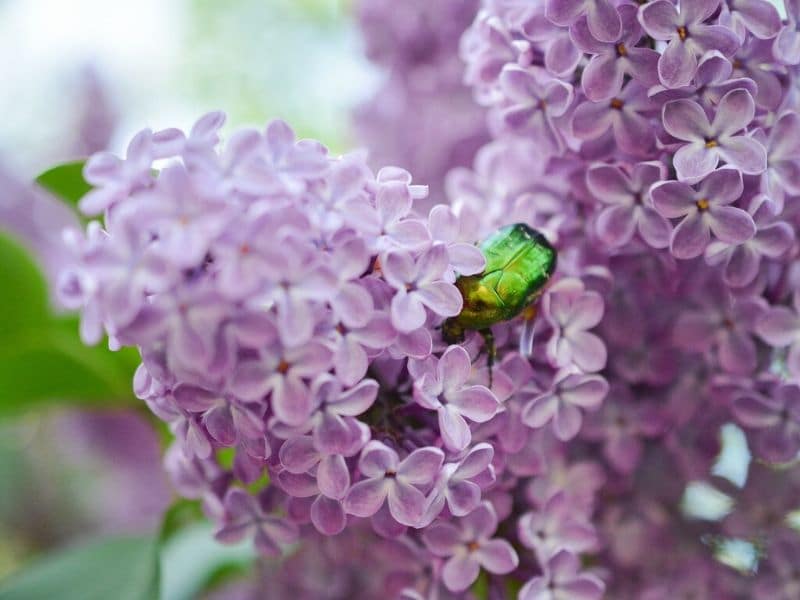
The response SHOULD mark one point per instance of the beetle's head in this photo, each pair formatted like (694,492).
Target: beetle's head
(482,307)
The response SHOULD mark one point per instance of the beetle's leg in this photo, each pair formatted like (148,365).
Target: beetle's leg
(528,325)
(491,351)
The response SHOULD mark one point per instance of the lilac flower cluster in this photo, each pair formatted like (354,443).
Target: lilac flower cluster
(422,116)
(657,144)
(287,306)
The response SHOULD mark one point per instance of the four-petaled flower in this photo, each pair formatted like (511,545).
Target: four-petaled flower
(629,206)
(612,61)
(703,211)
(442,386)
(688,37)
(469,546)
(708,142)
(562,580)
(388,479)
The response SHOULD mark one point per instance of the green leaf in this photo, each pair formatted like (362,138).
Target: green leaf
(66,181)
(121,567)
(51,364)
(23,291)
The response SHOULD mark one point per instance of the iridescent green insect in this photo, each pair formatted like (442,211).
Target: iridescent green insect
(519,262)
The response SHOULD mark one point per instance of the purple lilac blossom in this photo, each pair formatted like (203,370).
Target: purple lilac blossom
(421,116)
(668,186)
(660,339)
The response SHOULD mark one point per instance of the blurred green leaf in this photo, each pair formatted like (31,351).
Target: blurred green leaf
(122,568)
(23,295)
(42,359)
(66,181)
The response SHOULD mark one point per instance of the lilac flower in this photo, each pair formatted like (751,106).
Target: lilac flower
(688,37)
(561,55)
(572,310)
(333,422)
(724,324)
(780,327)
(468,547)
(710,142)
(623,426)
(783,159)
(554,528)
(612,61)
(629,208)
(623,114)
(750,62)
(759,17)
(562,403)
(351,359)
(714,79)
(442,386)
(562,580)
(281,372)
(704,211)
(740,262)
(419,284)
(455,484)
(331,475)
(226,418)
(427,129)
(388,479)
(301,280)
(787,42)
(244,517)
(603,19)
(446,226)
(776,419)
(535,102)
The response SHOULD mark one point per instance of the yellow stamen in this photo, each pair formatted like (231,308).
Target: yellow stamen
(702,204)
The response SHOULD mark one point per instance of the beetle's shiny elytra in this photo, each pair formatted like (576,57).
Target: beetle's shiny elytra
(519,262)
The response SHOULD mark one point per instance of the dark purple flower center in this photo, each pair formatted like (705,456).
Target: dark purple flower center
(390,474)
(617,104)
(283,367)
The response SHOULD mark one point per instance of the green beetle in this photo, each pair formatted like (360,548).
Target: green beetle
(519,263)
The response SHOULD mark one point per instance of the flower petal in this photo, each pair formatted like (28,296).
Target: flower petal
(366,497)
(497,556)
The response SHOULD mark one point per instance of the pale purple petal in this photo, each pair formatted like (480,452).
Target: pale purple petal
(460,572)
(421,466)
(406,503)
(497,556)
(685,120)
(366,497)
(731,225)
(333,476)
(453,428)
